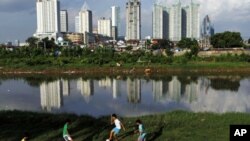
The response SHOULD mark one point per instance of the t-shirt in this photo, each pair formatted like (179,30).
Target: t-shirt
(65,129)
(141,128)
(117,124)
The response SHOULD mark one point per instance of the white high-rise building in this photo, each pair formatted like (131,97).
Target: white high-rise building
(85,20)
(48,18)
(77,26)
(115,21)
(133,20)
(175,22)
(64,20)
(104,27)
(160,22)
(191,15)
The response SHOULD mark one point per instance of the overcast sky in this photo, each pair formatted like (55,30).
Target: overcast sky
(18,17)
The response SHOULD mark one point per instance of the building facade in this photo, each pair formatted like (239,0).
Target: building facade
(64,20)
(160,22)
(48,18)
(85,21)
(133,20)
(176,22)
(191,21)
(115,21)
(104,27)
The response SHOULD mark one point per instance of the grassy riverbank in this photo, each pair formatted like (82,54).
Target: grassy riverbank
(173,126)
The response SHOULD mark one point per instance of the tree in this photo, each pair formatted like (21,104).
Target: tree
(187,43)
(32,41)
(227,40)
(249,41)
(164,44)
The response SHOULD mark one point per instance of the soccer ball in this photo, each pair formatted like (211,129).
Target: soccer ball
(107,140)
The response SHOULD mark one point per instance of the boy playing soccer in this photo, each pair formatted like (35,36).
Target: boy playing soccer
(118,126)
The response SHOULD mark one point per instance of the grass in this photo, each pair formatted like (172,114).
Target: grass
(173,126)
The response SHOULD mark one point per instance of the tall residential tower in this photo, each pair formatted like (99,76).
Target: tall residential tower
(48,18)
(85,20)
(115,21)
(64,20)
(133,20)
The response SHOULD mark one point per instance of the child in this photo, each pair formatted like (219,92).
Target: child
(141,131)
(26,137)
(66,135)
(118,126)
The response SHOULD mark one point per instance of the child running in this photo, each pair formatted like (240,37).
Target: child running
(141,131)
(118,126)
(66,135)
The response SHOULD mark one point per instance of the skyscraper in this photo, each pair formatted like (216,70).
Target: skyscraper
(77,26)
(175,22)
(115,21)
(64,20)
(133,20)
(207,27)
(160,22)
(104,27)
(85,20)
(48,18)
(191,21)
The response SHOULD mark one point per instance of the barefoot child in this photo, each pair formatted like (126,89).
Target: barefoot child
(141,131)
(118,126)
(66,135)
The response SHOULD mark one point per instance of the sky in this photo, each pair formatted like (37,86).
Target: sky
(18,17)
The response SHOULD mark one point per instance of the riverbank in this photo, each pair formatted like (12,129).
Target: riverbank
(181,126)
(155,69)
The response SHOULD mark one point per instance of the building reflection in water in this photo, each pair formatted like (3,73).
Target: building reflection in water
(160,89)
(116,88)
(51,95)
(105,83)
(175,89)
(134,90)
(65,87)
(86,88)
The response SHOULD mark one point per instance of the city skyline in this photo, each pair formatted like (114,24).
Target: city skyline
(24,14)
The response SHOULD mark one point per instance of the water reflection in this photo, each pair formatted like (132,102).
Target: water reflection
(107,95)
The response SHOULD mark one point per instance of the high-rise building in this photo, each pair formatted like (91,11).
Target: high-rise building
(191,21)
(104,27)
(116,88)
(160,89)
(207,27)
(65,87)
(175,22)
(115,21)
(48,18)
(77,24)
(133,20)
(64,20)
(85,20)
(160,22)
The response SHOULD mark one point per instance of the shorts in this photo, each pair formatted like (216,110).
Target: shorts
(116,130)
(67,138)
(142,137)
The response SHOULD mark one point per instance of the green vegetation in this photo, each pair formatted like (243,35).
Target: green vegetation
(227,40)
(173,126)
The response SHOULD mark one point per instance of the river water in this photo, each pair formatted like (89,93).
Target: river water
(126,96)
